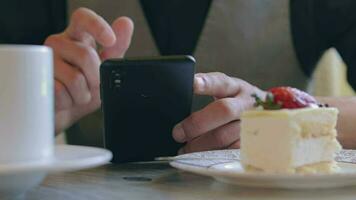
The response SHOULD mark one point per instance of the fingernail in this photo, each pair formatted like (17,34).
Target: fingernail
(178,133)
(181,151)
(198,83)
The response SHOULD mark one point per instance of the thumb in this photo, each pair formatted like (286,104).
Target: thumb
(123,28)
(216,84)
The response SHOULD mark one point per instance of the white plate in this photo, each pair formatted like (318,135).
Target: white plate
(16,179)
(224,166)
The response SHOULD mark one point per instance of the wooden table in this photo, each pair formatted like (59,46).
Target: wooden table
(156,181)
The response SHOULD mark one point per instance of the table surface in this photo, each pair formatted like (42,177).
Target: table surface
(157,180)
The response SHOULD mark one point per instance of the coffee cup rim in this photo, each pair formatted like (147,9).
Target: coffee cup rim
(24,47)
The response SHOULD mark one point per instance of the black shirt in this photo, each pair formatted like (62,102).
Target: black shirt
(176,24)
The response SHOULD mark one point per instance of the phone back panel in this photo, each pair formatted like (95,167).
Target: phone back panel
(142,100)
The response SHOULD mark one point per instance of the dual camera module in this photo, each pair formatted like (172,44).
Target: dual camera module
(116,79)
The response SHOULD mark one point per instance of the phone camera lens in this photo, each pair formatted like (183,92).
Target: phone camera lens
(116,79)
(117,82)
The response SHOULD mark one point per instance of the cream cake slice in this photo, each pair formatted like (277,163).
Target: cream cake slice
(299,140)
(289,141)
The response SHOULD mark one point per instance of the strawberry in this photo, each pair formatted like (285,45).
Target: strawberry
(286,97)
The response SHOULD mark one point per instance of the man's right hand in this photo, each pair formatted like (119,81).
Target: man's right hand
(77,60)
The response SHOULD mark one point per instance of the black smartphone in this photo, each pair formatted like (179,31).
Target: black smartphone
(142,100)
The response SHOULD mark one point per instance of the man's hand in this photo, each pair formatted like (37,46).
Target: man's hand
(77,61)
(217,125)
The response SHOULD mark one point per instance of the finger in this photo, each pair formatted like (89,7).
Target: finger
(214,115)
(62,98)
(216,84)
(73,80)
(123,28)
(75,53)
(221,137)
(85,23)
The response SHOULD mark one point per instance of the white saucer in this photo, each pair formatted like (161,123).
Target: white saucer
(224,166)
(15,179)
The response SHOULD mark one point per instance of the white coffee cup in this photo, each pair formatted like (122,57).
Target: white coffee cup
(26,103)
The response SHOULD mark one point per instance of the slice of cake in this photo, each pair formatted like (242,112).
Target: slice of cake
(289,133)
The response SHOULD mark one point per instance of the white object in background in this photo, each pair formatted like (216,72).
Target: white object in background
(329,78)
